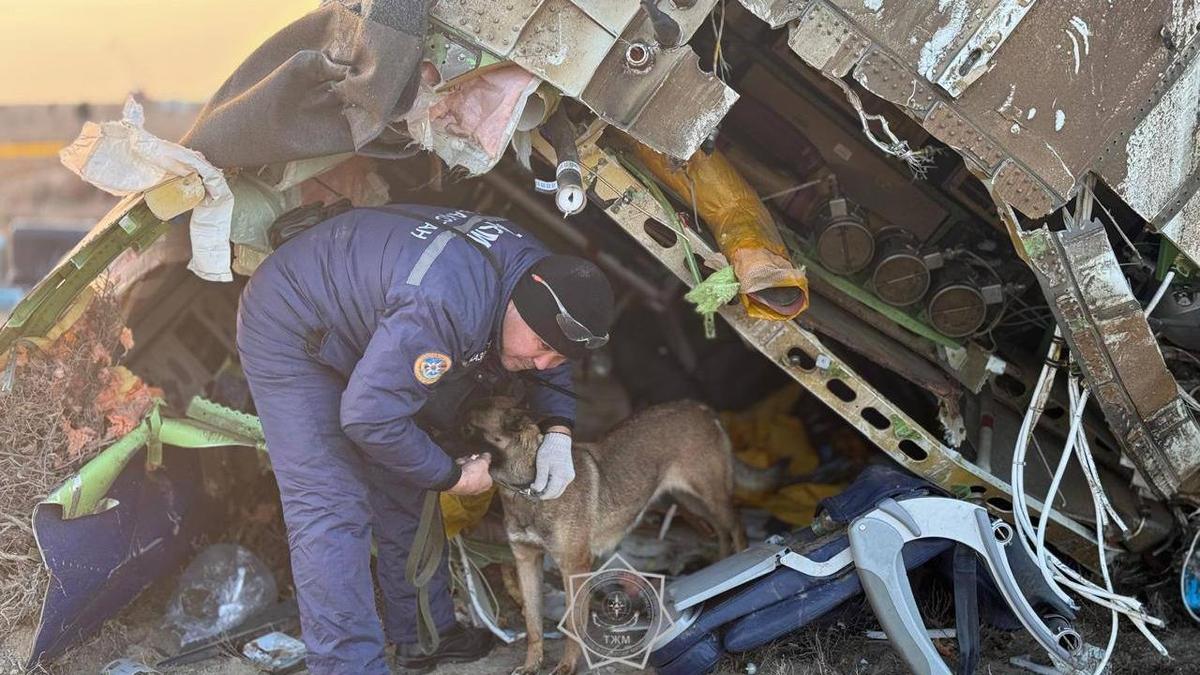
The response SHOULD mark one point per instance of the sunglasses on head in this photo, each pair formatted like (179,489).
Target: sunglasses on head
(575,331)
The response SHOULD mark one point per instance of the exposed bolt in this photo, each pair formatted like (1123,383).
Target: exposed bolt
(639,57)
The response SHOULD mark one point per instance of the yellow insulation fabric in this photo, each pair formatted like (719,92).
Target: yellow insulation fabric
(460,513)
(744,229)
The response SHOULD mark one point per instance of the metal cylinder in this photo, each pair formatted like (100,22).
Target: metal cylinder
(956,307)
(900,277)
(569,196)
(844,243)
(1064,632)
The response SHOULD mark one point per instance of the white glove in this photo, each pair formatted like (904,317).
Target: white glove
(555,469)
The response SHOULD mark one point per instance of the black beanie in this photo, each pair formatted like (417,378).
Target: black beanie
(583,290)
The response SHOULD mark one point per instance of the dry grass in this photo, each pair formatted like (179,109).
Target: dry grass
(49,426)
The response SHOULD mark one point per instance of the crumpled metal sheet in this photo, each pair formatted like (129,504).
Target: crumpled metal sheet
(1058,87)
(1156,167)
(579,47)
(1109,336)
(673,102)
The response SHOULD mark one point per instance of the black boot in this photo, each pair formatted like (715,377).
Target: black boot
(458,645)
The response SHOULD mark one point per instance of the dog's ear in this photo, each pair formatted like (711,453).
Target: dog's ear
(468,429)
(515,421)
(518,418)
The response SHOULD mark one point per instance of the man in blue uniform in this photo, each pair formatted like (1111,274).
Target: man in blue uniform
(359,338)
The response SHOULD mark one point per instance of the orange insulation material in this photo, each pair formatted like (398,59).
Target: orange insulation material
(744,229)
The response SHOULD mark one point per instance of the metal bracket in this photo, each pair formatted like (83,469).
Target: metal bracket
(1109,336)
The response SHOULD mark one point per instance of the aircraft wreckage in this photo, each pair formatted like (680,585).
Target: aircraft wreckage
(932,209)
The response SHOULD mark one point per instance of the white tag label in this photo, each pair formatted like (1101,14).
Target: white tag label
(568,165)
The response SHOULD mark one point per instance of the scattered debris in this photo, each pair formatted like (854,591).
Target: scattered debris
(122,158)
(224,585)
(127,667)
(283,616)
(275,652)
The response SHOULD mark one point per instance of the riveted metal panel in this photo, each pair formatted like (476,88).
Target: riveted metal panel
(494,24)
(1069,84)
(1156,166)
(974,57)
(826,41)
(671,106)
(882,75)
(563,45)
(613,16)
(1014,185)
(776,12)
(956,131)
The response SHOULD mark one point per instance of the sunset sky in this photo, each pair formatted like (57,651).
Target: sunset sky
(60,51)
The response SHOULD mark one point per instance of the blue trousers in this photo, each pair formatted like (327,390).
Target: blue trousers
(334,500)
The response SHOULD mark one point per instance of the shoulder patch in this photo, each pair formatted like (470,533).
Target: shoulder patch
(430,366)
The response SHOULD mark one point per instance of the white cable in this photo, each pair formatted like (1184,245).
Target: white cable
(1047,503)
(1112,633)
(1057,573)
(918,161)
(1017,476)
(1162,289)
(1091,473)
(508,637)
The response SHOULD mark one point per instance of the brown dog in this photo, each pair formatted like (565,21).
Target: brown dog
(676,448)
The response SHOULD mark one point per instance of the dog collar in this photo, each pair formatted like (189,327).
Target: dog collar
(527,491)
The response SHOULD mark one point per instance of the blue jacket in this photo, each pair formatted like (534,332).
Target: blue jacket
(395,305)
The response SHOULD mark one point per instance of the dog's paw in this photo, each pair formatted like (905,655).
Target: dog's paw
(564,669)
(527,669)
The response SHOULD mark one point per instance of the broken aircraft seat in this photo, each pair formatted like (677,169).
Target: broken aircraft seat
(785,600)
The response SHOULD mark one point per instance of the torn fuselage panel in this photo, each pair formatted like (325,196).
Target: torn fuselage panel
(609,56)
(1061,83)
